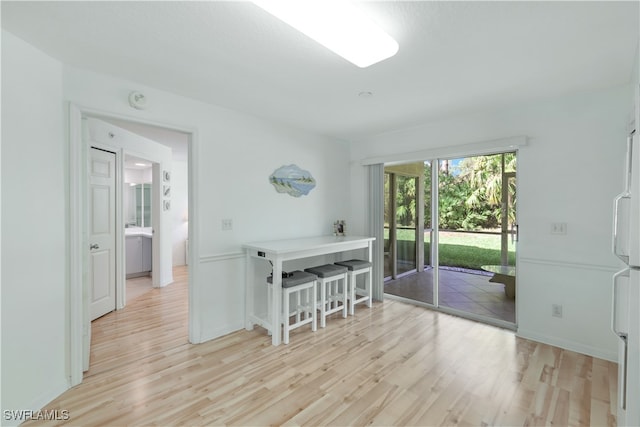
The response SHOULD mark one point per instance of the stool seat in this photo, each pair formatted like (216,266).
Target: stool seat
(295,278)
(331,300)
(354,264)
(327,270)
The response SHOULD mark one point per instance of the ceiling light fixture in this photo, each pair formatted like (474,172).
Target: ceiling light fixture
(338,26)
(142,164)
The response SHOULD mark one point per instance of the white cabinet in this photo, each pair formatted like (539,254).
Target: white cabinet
(138,256)
(146,254)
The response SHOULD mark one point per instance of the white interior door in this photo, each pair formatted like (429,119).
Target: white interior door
(102,232)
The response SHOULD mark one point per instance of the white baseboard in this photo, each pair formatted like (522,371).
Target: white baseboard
(217,333)
(568,345)
(36,405)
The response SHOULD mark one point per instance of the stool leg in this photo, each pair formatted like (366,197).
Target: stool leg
(367,286)
(285,317)
(352,293)
(332,294)
(314,312)
(308,293)
(323,302)
(298,306)
(269,290)
(345,291)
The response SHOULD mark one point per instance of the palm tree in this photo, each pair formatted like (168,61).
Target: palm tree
(406,200)
(484,174)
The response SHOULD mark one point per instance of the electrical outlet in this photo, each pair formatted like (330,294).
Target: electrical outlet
(556,310)
(559,228)
(227,224)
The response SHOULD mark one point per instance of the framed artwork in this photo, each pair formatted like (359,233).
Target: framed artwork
(166,176)
(292,180)
(339,228)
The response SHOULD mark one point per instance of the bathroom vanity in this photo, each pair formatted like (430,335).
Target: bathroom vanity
(138,251)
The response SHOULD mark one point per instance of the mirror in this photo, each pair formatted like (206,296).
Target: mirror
(137,201)
(138,179)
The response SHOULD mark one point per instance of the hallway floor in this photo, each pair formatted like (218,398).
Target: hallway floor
(138,286)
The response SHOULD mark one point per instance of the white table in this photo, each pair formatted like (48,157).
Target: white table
(277,252)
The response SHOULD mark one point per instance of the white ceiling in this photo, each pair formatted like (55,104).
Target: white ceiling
(177,141)
(455,57)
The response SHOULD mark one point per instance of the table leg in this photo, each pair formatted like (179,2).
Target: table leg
(249,292)
(276,302)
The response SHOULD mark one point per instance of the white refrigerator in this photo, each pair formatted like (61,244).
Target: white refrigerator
(625,313)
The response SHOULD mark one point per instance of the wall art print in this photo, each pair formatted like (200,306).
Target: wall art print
(292,180)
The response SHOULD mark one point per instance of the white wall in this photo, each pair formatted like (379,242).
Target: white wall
(34,273)
(569,172)
(136,176)
(179,210)
(235,155)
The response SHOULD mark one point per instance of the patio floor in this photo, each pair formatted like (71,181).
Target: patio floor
(464,291)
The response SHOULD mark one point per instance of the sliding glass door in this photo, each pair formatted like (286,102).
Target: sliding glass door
(472,200)
(404,219)
(408,231)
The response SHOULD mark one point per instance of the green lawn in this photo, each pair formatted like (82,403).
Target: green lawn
(466,250)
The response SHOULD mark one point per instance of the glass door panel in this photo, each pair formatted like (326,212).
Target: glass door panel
(426,214)
(388,215)
(408,272)
(476,256)
(406,230)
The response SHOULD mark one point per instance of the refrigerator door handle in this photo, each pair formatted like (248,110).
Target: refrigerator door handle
(620,224)
(622,383)
(622,386)
(614,299)
(629,163)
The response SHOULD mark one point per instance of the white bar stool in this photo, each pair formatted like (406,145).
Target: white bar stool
(331,300)
(305,310)
(358,295)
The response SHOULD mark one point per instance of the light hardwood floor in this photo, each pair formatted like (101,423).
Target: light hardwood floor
(138,286)
(393,364)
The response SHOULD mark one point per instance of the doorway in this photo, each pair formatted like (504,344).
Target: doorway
(79,314)
(138,227)
(468,239)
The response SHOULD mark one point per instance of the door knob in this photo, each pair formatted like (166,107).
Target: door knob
(94,246)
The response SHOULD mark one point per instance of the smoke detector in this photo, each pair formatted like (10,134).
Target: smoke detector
(137,100)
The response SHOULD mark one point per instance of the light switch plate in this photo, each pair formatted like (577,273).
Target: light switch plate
(559,228)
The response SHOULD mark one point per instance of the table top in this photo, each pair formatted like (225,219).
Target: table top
(306,243)
(507,270)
